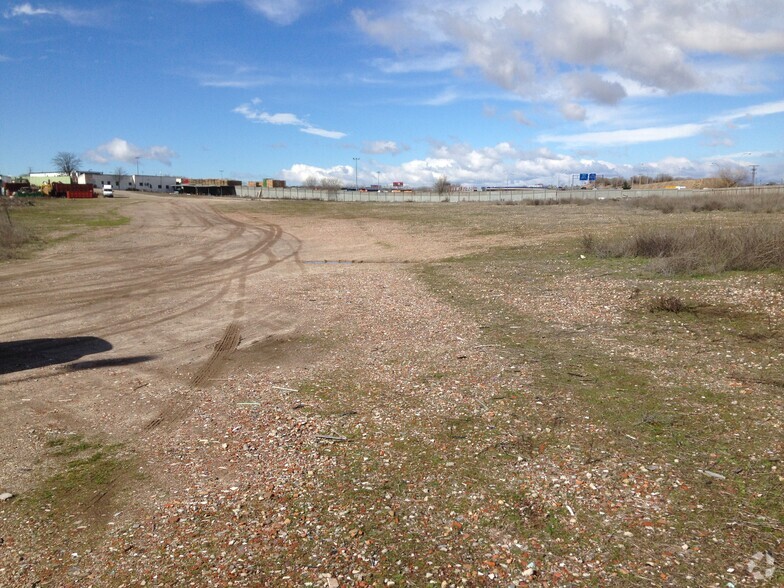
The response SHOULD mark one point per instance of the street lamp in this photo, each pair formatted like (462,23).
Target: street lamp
(136,177)
(378,180)
(356,182)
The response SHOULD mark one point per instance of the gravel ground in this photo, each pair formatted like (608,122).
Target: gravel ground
(389,418)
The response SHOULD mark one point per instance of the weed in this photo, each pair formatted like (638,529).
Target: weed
(666,303)
(715,201)
(700,250)
(70,445)
(12,237)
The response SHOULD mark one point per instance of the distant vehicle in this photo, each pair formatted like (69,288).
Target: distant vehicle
(108,192)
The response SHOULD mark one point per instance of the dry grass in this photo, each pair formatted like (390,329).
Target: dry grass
(11,238)
(666,303)
(699,250)
(715,201)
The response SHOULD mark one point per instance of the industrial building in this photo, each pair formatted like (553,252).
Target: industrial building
(141,182)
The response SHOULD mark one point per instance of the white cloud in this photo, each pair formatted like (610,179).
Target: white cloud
(282,12)
(299,172)
(594,87)
(573,111)
(71,15)
(251,112)
(121,150)
(428,64)
(765,109)
(381,147)
(504,163)
(664,133)
(446,96)
(27,9)
(577,50)
(322,132)
(242,82)
(626,136)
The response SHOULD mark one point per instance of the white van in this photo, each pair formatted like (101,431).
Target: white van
(107,191)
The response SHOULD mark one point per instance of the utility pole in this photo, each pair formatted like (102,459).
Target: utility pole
(753,174)
(356,182)
(136,177)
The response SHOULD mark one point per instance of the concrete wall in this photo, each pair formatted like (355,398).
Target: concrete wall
(488,196)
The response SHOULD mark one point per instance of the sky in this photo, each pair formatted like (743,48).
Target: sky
(482,92)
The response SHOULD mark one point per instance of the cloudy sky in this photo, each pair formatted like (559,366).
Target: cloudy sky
(482,92)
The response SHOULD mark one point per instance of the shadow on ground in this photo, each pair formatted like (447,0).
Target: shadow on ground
(28,354)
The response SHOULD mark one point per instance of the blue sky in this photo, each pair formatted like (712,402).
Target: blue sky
(482,92)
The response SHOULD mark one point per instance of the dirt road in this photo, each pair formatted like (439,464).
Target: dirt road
(150,302)
(105,336)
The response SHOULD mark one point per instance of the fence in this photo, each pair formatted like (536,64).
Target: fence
(522,195)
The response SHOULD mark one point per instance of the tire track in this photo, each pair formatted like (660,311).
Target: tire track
(223,350)
(192,280)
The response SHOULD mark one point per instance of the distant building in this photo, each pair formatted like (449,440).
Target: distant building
(141,182)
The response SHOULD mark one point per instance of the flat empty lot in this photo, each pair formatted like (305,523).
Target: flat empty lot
(258,393)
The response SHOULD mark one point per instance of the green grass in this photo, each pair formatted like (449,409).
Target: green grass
(643,417)
(87,477)
(45,222)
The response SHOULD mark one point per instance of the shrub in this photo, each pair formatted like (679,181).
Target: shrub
(11,237)
(714,201)
(701,250)
(667,304)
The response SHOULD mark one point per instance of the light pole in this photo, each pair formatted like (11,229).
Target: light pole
(356,182)
(378,180)
(136,177)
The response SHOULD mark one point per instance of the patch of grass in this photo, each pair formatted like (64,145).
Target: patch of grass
(87,477)
(646,414)
(698,250)
(714,201)
(69,445)
(48,221)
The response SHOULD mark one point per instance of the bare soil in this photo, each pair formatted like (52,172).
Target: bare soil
(230,393)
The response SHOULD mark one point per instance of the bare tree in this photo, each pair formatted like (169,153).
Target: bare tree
(331,184)
(311,182)
(442,185)
(729,177)
(67,163)
(119,174)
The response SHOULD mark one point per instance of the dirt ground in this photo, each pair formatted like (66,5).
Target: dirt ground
(168,301)
(221,394)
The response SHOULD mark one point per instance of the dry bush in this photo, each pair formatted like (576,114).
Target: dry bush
(766,203)
(11,237)
(665,303)
(701,250)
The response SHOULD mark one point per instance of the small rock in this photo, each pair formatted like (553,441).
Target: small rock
(6,496)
